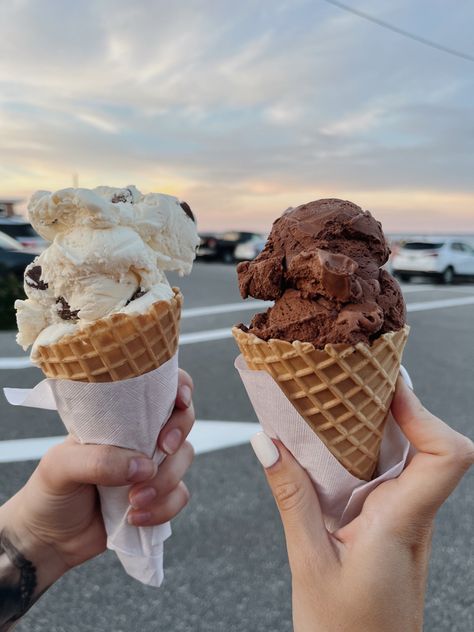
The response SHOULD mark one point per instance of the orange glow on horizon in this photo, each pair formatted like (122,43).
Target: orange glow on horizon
(254,205)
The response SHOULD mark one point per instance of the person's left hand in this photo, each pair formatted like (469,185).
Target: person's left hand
(59,506)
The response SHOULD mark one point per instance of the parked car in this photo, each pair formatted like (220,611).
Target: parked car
(23,232)
(440,259)
(248,250)
(13,257)
(221,246)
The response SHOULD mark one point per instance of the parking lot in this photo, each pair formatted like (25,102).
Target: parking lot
(225,564)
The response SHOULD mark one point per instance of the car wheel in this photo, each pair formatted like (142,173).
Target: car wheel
(228,257)
(448,276)
(404,277)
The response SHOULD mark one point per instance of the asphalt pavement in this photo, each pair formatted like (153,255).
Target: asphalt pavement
(226,568)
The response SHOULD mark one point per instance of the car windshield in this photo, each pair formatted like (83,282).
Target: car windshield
(18,230)
(8,243)
(423,245)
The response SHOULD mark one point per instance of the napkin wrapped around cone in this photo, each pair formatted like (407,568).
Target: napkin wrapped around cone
(312,400)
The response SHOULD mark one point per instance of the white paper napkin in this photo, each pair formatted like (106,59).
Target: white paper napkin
(128,414)
(341,494)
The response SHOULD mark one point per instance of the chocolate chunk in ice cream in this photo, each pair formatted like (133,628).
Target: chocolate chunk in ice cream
(187,209)
(33,278)
(137,294)
(64,309)
(322,267)
(124,196)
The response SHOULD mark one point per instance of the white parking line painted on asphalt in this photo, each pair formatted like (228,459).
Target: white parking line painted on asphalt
(15,363)
(409,289)
(463,289)
(448,302)
(205,436)
(204,336)
(209,335)
(244,306)
(226,308)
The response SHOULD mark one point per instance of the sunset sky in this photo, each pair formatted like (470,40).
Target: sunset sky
(244,108)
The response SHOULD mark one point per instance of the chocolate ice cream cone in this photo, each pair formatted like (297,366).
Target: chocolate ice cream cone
(118,347)
(343,392)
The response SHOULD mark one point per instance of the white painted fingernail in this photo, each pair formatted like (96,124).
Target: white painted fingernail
(265,450)
(406,377)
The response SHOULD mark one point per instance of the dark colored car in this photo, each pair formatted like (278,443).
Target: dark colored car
(23,232)
(221,246)
(13,258)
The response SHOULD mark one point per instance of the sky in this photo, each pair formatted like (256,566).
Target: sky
(243,108)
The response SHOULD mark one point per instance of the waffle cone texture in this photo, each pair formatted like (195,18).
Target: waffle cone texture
(118,347)
(343,392)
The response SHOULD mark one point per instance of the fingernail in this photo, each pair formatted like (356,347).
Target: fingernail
(406,377)
(143,497)
(138,518)
(172,441)
(141,470)
(185,395)
(265,450)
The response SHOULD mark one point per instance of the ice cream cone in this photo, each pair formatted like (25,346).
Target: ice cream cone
(117,347)
(343,392)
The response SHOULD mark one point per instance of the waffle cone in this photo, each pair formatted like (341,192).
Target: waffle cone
(117,347)
(343,392)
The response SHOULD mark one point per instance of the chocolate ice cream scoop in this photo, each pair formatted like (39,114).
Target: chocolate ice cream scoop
(322,266)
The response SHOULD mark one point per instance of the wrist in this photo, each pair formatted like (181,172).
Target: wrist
(40,563)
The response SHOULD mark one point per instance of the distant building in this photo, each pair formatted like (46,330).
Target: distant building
(7,207)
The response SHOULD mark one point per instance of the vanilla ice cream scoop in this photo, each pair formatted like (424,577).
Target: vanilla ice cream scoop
(108,254)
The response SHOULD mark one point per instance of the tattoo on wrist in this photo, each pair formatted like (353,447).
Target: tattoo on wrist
(18,583)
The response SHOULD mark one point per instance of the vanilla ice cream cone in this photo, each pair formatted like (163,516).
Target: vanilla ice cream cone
(103,323)
(343,392)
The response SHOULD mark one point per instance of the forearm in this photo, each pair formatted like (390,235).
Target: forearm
(27,567)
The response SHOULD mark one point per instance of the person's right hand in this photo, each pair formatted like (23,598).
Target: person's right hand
(58,511)
(369,576)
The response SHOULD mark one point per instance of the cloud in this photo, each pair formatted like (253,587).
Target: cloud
(244,111)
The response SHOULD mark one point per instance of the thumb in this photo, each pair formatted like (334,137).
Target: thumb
(297,501)
(71,464)
(443,456)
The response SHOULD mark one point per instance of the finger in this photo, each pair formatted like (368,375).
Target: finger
(70,464)
(443,456)
(170,473)
(296,499)
(181,421)
(176,429)
(162,510)
(185,390)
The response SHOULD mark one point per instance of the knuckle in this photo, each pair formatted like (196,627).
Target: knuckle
(49,461)
(184,495)
(169,478)
(185,378)
(187,419)
(188,451)
(174,503)
(50,456)
(461,452)
(288,495)
(103,462)
(465,453)
(190,415)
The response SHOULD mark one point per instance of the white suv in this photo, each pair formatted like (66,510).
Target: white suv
(442,260)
